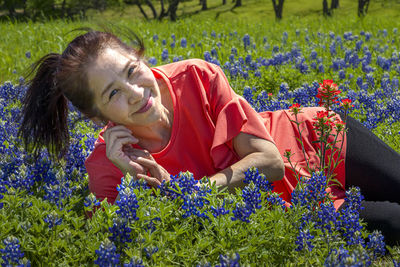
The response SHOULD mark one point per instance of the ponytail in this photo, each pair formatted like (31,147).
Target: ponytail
(45,110)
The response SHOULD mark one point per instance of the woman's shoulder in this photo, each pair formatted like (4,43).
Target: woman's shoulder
(180,67)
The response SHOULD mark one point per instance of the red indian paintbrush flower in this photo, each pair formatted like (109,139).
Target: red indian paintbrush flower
(295,108)
(327,93)
(346,104)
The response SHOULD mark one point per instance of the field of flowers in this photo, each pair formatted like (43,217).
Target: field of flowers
(43,203)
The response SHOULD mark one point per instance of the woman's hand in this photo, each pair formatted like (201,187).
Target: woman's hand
(118,139)
(156,173)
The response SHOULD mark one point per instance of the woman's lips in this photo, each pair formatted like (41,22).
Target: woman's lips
(146,106)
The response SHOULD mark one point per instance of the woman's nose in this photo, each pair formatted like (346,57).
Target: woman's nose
(134,93)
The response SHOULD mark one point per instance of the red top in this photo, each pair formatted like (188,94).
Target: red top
(207,116)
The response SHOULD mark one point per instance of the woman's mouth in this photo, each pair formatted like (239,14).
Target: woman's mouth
(146,106)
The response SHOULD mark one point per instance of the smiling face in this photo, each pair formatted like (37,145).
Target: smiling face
(125,89)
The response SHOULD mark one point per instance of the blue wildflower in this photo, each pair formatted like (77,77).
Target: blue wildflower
(52,219)
(376,244)
(164,54)
(183,42)
(28,54)
(229,260)
(120,231)
(304,240)
(150,251)
(107,254)
(153,61)
(134,262)
(12,254)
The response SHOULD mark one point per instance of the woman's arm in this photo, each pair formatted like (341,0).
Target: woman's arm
(254,152)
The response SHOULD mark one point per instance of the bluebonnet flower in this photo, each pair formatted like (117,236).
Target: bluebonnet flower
(234,51)
(151,226)
(127,204)
(229,260)
(304,240)
(172,44)
(219,210)
(359,43)
(326,218)
(58,191)
(246,40)
(241,212)
(377,244)
(183,43)
(28,54)
(343,257)
(134,262)
(120,231)
(153,61)
(252,197)
(214,53)
(321,68)
(275,49)
(213,34)
(313,54)
(164,54)
(177,58)
(179,185)
(12,254)
(91,201)
(207,56)
(332,48)
(342,74)
(349,220)
(248,59)
(370,80)
(155,38)
(257,73)
(261,182)
(275,200)
(52,219)
(310,191)
(173,37)
(164,42)
(193,204)
(107,254)
(150,251)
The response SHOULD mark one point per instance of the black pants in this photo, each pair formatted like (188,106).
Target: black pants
(375,168)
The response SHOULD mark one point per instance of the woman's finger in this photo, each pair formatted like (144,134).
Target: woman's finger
(150,180)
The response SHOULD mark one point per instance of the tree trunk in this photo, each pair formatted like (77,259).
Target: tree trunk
(203,4)
(173,6)
(9,5)
(162,11)
(224,2)
(238,3)
(325,8)
(142,11)
(278,7)
(362,7)
(148,2)
(334,4)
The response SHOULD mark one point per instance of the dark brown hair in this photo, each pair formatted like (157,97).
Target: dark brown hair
(59,78)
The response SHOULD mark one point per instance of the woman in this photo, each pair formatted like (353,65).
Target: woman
(184,116)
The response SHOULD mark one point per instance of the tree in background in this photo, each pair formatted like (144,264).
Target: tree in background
(278,7)
(203,4)
(325,8)
(238,3)
(362,7)
(334,4)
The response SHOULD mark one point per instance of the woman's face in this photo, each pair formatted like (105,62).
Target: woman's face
(125,90)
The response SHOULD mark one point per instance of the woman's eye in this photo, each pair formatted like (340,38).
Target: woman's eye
(113,92)
(130,71)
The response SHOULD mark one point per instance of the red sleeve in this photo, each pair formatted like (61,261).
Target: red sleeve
(230,112)
(104,176)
